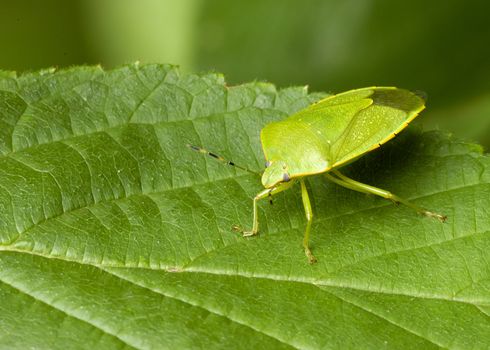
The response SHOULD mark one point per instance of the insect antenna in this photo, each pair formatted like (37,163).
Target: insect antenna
(220,158)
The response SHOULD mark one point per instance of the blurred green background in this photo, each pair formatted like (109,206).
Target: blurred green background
(440,47)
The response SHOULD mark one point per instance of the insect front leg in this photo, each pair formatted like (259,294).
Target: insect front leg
(264,194)
(344,181)
(309,218)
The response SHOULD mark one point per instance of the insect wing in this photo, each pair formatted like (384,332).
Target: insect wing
(390,112)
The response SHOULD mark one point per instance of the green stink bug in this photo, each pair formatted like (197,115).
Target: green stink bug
(328,135)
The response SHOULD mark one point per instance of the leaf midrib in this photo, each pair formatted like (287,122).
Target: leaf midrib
(255,275)
(276,337)
(191,187)
(157,292)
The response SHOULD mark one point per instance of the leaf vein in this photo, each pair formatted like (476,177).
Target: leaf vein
(410,331)
(67,313)
(200,306)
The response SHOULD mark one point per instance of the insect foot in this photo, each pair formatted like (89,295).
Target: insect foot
(441,218)
(250,233)
(238,228)
(311,259)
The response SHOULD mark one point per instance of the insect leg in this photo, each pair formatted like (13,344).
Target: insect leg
(220,158)
(264,194)
(309,218)
(344,181)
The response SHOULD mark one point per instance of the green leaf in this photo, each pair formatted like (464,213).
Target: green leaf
(113,234)
(453,118)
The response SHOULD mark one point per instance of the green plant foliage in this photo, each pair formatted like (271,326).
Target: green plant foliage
(346,44)
(455,119)
(114,235)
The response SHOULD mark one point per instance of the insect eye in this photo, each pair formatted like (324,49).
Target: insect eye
(267,164)
(285,177)
(284,166)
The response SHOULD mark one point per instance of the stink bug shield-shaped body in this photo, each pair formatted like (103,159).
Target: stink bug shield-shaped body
(335,131)
(329,134)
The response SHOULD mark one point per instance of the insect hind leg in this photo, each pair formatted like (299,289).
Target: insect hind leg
(347,182)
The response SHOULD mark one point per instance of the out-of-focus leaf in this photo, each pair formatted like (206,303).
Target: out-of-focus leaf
(470,119)
(337,45)
(36,34)
(146,30)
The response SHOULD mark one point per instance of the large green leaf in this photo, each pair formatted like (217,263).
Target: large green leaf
(115,235)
